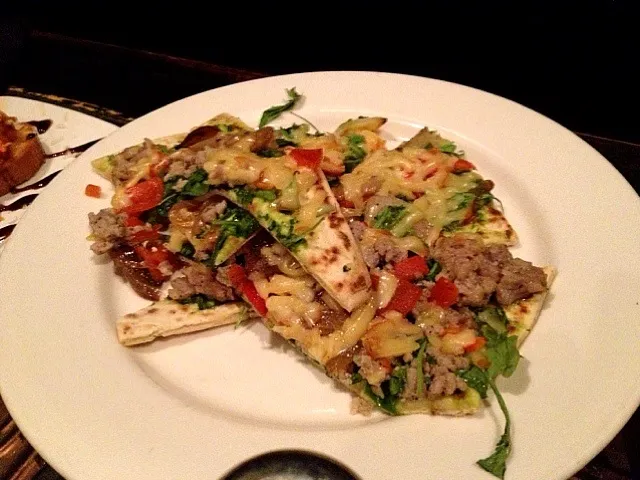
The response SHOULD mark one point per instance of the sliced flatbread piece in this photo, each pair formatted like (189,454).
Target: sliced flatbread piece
(166,318)
(316,233)
(523,314)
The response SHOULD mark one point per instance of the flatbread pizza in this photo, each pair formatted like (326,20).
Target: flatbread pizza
(389,269)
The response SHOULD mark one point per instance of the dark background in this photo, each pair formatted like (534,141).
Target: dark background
(576,63)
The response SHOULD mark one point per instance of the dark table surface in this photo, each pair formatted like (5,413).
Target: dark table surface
(126,82)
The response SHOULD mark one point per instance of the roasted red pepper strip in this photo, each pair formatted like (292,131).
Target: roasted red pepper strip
(406,296)
(461,166)
(307,157)
(144,195)
(444,293)
(133,221)
(152,258)
(238,278)
(411,268)
(92,191)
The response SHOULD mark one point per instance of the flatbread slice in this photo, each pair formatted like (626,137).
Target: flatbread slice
(167,318)
(523,314)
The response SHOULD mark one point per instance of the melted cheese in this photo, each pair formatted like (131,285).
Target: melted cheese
(402,174)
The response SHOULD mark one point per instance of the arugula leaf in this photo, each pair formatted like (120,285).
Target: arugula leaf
(398,380)
(389,216)
(448,147)
(224,128)
(495,464)
(462,200)
(284,232)
(501,351)
(434,269)
(187,250)
(452,226)
(270,153)
(355,153)
(494,317)
(388,403)
(274,112)
(202,301)
(245,195)
(196,184)
(476,378)
(356,378)
(420,385)
(234,222)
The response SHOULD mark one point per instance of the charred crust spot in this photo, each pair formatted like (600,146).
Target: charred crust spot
(509,233)
(153,310)
(131,315)
(359,284)
(345,240)
(126,329)
(335,250)
(173,311)
(524,308)
(335,220)
(339,285)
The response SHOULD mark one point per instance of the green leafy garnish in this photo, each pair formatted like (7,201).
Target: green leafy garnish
(355,153)
(389,216)
(234,222)
(187,250)
(245,195)
(196,184)
(502,352)
(420,385)
(270,153)
(387,404)
(462,200)
(274,112)
(434,269)
(202,301)
(452,226)
(496,463)
(224,128)
(448,147)
(398,380)
(476,378)
(284,232)
(494,317)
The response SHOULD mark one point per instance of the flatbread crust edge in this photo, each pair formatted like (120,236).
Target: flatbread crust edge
(523,314)
(166,318)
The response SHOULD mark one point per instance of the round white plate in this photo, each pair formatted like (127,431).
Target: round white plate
(196,406)
(68,129)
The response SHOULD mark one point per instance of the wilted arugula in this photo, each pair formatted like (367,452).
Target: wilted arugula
(502,352)
(274,112)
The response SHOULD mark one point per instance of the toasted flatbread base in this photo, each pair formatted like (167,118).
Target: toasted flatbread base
(166,318)
(523,314)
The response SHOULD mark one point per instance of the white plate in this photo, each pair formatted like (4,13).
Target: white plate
(68,129)
(196,406)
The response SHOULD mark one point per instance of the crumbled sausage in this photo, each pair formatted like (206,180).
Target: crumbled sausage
(198,279)
(478,271)
(107,227)
(520,279)
(384,249)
